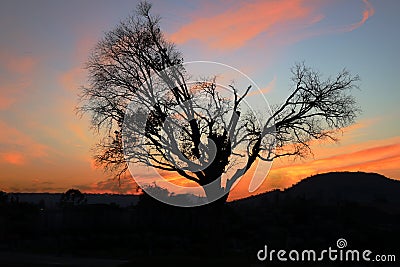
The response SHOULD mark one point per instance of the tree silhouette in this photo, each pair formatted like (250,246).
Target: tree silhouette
(147,112)
(3,197)
(73,197)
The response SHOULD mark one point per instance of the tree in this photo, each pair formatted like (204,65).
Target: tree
(73,197)
(3,197)
(142,104)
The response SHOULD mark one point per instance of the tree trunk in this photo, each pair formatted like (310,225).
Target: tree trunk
(215,194)
(213,217)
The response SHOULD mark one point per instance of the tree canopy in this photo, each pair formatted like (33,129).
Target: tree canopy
(148,111)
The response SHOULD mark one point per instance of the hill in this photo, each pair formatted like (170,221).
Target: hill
(336,187)
(362,208)
(348,186)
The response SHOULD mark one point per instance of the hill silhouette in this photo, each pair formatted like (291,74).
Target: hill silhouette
(361,207)
(334,187)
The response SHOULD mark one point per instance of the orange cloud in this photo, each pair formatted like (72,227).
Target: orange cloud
(241,23)
(11,138)
(79,129)
(22,65)
(73,79)
(175,178)
(5,102)
(286,21)
(14,158)
(12,92)
(16,78)
(264,90)
(368,12)
(381,158)
(18,64)
(125,186)
(358,158)
(13,89)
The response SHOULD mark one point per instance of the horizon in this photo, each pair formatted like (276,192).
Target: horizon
(139,192)
(45,146)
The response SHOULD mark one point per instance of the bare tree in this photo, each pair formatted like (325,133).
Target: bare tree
(142,102)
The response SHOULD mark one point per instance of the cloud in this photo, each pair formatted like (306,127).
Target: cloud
(272,23)
(368,12)
(125,186)
(72,79)
(382,158)
(13,91)
(364,156)
(6,102)
(35,185)
(264,90)
(15,79)
(75,77)
(241,23)
(18,147)
(17,64)
(14,158)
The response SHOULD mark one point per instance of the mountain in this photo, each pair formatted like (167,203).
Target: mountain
(335,187)
(348,186)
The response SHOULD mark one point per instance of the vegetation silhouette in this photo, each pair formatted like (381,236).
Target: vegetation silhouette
(139,87)
(312,214)
(72,197)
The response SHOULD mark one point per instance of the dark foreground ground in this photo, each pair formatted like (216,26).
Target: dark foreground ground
(308,216)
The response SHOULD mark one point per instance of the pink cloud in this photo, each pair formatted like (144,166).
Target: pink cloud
(72,79)
(125,186)
(279,22)
(368,12)
(14,158)
(241,23)
(16,78)
(6,102)
(264,90)
(76,76)
(12,92)
(11,138)
(18,64)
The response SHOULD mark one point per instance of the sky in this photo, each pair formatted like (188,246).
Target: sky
(46,147)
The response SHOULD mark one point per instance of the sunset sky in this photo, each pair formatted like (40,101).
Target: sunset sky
(46,147)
